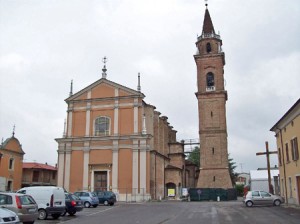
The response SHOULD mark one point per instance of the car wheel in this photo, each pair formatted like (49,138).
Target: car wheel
(65,212)
(249,203)
(105,202)
(87,204)
(42,214)
(95,206)
(72,213)
(277,202)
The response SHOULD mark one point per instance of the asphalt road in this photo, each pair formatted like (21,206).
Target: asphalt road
(183,213)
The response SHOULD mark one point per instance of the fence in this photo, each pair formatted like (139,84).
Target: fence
(212,194)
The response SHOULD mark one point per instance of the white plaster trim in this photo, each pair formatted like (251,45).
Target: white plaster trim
(86,157)
(67,171)
(143,164)
(60,173)
(87,123)
(70,123)
(135,166)
(89,94)
(115,167)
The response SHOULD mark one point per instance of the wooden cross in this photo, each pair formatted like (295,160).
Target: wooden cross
(267,153)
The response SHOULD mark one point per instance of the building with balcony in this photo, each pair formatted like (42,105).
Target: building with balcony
(38,174)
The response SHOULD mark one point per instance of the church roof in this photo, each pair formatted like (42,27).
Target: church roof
(104,80)
(29,165)
(208,26)
(8,140)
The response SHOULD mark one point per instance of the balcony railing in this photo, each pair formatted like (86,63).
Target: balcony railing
(209,35)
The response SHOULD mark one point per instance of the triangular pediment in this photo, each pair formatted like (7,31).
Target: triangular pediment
(104,88)
(12,144)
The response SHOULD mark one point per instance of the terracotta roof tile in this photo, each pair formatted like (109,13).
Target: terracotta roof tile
(38,166)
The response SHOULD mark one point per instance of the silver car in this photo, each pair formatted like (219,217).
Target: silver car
(23,205)
(262,198)
(8,217)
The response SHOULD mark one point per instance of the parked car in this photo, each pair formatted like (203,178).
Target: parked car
(88,198)
(22,204)
(106,197)
(50,200)
(73,204)
(8,217)
(262,198)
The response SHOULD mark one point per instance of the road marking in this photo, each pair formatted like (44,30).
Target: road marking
(100,211)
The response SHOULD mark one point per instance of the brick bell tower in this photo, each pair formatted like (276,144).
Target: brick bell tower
(212,97)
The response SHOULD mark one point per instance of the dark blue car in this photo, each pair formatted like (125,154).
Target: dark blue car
(106,197)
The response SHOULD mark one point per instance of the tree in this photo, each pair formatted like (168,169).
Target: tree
(194,156)
(232,166)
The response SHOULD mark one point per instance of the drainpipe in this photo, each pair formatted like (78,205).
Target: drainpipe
(284,172)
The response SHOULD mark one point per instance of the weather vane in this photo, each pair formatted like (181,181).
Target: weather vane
(14,130)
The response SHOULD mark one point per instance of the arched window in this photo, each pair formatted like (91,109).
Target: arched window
(102,126)
(208,47)
(210,80)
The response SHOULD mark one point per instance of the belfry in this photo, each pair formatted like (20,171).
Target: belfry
(212,97)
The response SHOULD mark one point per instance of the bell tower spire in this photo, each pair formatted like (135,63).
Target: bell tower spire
(212,97)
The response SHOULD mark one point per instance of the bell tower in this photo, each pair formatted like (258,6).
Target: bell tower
(212,97)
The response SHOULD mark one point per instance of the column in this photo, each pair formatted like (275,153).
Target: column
(86,158)
(61,165)
(136,116)
(135,165)
(116,113)
(70,119)
(115,166)
(143,164)
(67,166)
(88,114)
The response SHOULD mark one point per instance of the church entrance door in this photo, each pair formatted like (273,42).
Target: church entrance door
(100,180)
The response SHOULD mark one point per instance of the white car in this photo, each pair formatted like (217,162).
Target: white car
(262,198)
(8,217)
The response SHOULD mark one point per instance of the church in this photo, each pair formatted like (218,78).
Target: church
(114,140)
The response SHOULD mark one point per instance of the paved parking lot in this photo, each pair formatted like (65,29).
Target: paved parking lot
(182,212)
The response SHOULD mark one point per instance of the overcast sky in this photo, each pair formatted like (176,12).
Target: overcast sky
(44,44)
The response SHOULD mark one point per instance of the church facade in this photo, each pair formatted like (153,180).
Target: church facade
(115,141)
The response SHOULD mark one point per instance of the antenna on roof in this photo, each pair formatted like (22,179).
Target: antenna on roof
(104,60)
(139,83)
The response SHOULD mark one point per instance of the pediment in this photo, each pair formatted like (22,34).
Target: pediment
(104,88)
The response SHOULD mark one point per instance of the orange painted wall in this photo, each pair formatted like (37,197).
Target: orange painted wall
(102,91)
(78,126)
(101,156)
(76,171)
(125,170)
(126,121)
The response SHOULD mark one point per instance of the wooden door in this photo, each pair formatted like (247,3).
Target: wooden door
(100,180)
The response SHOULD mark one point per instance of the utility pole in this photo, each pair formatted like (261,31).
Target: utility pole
(267,153)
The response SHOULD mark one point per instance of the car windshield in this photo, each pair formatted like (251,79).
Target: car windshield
(27,200)
(74,197)
(93,194)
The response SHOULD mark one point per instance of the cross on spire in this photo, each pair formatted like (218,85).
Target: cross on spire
(104,60)
(13,133)
(206,3)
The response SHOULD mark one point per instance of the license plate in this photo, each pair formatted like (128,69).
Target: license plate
(31,210)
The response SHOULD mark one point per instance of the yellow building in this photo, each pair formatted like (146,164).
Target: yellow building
(11,159)
(115,141)
(287,132)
